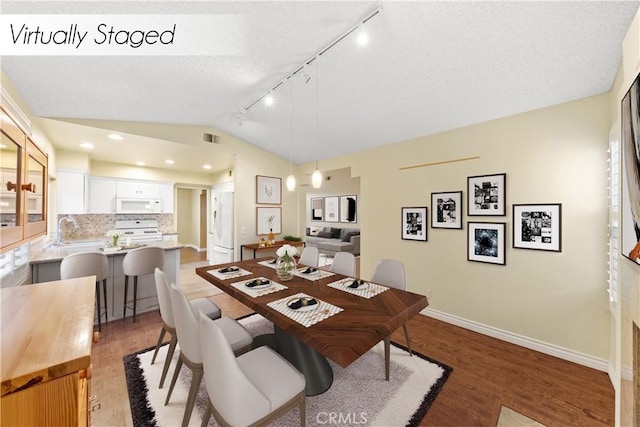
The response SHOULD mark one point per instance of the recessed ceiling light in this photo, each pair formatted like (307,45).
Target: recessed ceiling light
(87,145)
(206,167)
(169,161)
(115,137)
(141,163)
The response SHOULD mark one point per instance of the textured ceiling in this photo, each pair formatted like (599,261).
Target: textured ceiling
(429,67)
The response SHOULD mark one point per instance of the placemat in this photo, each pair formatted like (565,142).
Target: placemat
(316,275)
(253,293)
(305,318)
(268,263)
(225,276)
(371,290)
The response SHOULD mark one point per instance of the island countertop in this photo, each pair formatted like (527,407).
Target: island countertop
(57,253)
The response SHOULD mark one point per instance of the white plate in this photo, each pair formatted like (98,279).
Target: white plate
(304,308)
(265,285)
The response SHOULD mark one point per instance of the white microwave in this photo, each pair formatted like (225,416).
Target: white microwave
(136,206)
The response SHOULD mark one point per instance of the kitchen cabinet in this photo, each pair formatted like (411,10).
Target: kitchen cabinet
(166,195)
(102,195)
(55,320)
(137,190)
(71,191)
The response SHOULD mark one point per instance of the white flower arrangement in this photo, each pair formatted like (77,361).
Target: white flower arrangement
(286,252)
(114,235)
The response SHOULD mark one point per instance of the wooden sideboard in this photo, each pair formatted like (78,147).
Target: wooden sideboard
(45,337)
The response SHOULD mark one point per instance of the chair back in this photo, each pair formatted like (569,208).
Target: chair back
(186,325)
(344,263)
(164,298)
(142,261)
(310,256)
(232,394)
(85,264)
(390,272)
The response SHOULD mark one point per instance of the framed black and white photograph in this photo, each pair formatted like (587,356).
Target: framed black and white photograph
(446,210)
(487,195)
(268,219)
(486,242)
(268,190)
(331,209)
(414,224)
(317,211)
(349,208)
(538,227)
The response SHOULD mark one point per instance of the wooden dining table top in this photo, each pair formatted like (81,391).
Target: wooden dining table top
(343,337)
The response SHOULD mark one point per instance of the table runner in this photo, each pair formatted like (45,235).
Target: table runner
(368,292)
(253,293)
(305,318)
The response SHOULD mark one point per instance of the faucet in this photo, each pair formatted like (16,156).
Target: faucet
(67,218)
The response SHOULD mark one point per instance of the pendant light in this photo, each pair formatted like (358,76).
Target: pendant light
(316,178)
(291,180)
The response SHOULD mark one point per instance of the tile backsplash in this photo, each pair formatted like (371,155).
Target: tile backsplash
(94,225)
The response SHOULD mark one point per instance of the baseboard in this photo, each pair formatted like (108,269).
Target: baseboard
(521,340)
(192,246)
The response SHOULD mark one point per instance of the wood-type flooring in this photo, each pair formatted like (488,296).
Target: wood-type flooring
(487,373)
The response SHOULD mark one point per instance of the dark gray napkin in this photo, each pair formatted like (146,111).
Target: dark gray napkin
(301,302)
(257,282)
(228,270)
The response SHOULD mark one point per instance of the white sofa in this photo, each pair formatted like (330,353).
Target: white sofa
(348,240)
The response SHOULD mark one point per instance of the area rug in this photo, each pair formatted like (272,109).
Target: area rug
(359,394)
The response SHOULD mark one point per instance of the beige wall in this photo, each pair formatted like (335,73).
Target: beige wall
(189,219)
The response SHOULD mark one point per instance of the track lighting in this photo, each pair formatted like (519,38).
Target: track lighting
(291,180)
(362,38)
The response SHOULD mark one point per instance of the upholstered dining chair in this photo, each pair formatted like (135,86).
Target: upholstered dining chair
(344,263)
(390,272)
(139,262)
(84,264)
(190,354)
(252,389)
(310,256)
(204,305)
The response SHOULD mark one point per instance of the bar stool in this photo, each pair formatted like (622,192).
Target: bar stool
(139,262)
(88,264)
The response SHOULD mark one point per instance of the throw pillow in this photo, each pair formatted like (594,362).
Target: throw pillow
(335,233)
(326,234)
(347,236)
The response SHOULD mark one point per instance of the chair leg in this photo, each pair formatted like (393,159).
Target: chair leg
(387,356)
(406,335)
(135,296)
(167,362)
(126,291)
(196,379)
(207,414)
(106,309)
(98,306)
(173,380)
(155,353)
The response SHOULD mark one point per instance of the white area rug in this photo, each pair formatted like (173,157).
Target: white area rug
(359,394)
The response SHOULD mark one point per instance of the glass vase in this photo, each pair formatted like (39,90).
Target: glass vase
(114,241)
(285,268)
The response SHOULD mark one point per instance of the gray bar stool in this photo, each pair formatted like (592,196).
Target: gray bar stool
(139,262)
(88,264)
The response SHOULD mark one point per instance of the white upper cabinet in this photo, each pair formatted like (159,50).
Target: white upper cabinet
(102,195)
(137,190)
(166,195)
(71,191)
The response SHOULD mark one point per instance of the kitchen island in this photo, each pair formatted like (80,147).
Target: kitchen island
(45,267)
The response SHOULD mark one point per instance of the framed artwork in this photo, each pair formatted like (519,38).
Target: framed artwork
(316,209)
(630,180)
(349,208)
(487,194)
(446,210)
(268,219)
(485,242)
(414,224)
(537,226)
(268,190)
(331,209)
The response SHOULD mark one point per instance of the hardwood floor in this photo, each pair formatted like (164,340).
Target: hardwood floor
(487,373)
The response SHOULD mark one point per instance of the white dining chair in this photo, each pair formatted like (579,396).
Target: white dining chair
(390,272)
(186,319)
(344,263)
(84,264)
(252,389)
(310,257)
(207,307)
(139,262)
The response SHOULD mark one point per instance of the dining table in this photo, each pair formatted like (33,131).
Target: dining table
(318,314)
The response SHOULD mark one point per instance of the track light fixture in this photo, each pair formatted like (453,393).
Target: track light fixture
(291,180)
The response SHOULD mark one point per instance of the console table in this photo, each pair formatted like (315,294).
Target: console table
(257,248)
